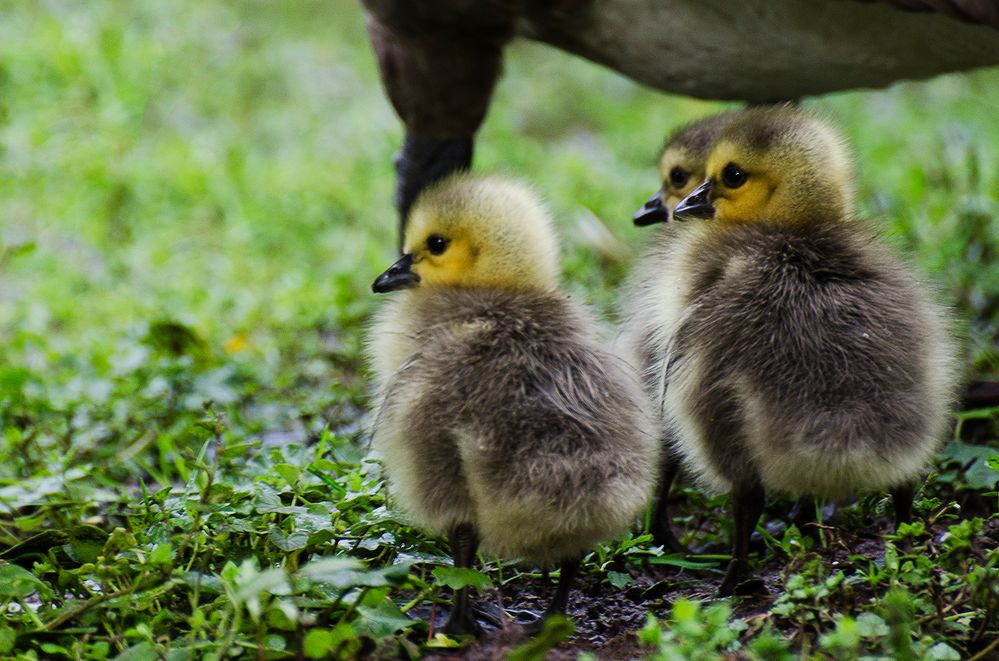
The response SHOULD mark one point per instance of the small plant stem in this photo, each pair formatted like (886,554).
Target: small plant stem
(66,616)
(233,630)
(30,613)
(985,652)
(415,600)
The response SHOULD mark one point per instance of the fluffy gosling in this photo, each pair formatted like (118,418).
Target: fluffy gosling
(500,421)
(789,350)
(681,165)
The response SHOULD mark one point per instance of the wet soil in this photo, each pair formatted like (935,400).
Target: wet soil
(606,618)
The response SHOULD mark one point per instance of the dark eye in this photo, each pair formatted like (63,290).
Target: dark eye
(436,244)
(733,176)
(678,177)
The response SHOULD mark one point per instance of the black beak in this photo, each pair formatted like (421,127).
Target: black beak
(397,276)
(652,211)
(697,205)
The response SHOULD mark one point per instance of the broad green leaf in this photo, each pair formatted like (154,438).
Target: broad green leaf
(17,582)
(143,651)
(330,569)
(618,579)
(7,639)
(272,581)
(685,610)
(36,545)
(181,654)
(383,619)
(289,473)
(345,573)
(652,632)
(208,583)
(459,577)
(317,643)
(160,555)
(942,652)
(87,543)
(979,473)
(344,644)
(870,625)
(289,542)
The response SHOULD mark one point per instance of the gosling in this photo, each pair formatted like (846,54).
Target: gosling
(681,165)
(789,350)
(500,421)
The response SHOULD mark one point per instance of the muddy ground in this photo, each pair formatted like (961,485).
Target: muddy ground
(607,618)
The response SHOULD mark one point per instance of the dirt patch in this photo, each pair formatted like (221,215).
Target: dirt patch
(607,618)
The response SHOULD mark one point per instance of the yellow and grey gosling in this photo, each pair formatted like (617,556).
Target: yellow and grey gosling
(499,418)
(789,350)
(681,165)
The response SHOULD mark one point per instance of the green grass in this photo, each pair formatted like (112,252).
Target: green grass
(194,199)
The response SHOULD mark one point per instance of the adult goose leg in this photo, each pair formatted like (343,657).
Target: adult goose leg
(439,62)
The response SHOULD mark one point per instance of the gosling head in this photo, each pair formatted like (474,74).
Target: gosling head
(681,166)
(475,231)
(776,164)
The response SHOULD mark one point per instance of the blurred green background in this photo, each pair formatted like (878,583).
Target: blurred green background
(228,165)
(196,196)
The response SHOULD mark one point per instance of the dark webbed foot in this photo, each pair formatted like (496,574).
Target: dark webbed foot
(734,575)
(738,582)
(461,622)
(534,627)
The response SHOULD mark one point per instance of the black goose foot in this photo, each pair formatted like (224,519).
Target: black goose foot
(534,627)
(461,623)
(738,582)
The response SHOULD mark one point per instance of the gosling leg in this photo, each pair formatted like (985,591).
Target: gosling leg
(464,542)
(802,515)
(567,575)
(747,506)
(902,496)
(661,528)
(560,600)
